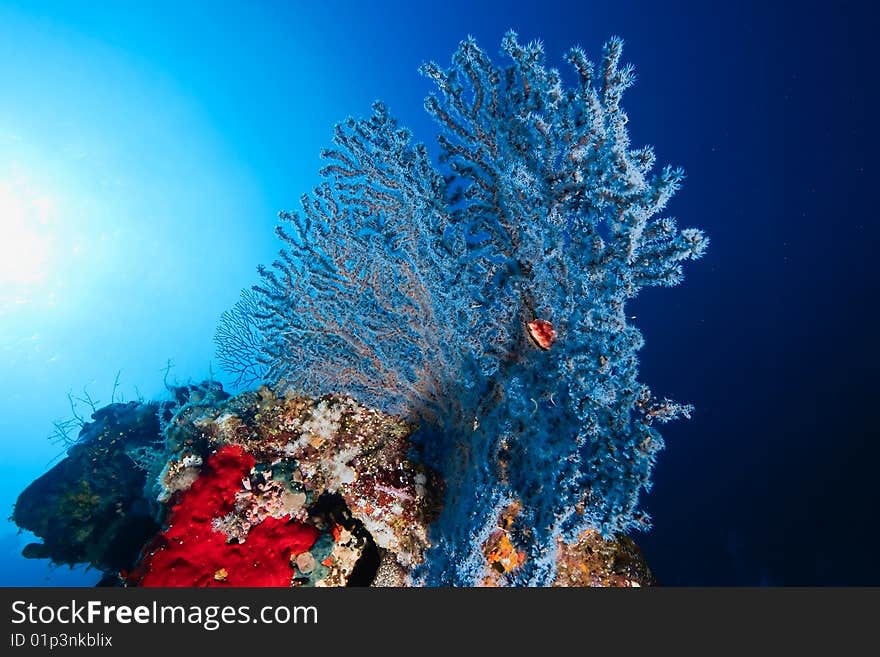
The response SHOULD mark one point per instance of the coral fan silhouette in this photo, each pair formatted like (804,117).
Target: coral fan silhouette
(483,297)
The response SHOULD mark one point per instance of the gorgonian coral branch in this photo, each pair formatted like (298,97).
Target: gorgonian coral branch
(239,340)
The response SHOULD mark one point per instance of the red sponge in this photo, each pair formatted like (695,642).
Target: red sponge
(191,553)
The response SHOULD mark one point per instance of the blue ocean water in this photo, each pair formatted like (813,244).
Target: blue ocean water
(145,150)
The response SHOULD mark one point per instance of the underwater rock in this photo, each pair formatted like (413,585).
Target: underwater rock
(89,508)
(594,561)
(590,561)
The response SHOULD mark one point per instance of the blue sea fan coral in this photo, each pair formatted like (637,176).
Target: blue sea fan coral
(484,297)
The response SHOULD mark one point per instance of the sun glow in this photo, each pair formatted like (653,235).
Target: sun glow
(25,216)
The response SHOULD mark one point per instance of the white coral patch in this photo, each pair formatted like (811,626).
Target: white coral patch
(339,473)
(324,420)
(225,423)
(191,461)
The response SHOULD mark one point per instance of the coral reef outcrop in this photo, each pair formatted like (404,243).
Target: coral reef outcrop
(262,489)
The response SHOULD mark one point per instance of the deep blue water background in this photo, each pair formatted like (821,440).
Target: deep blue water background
(166,135)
